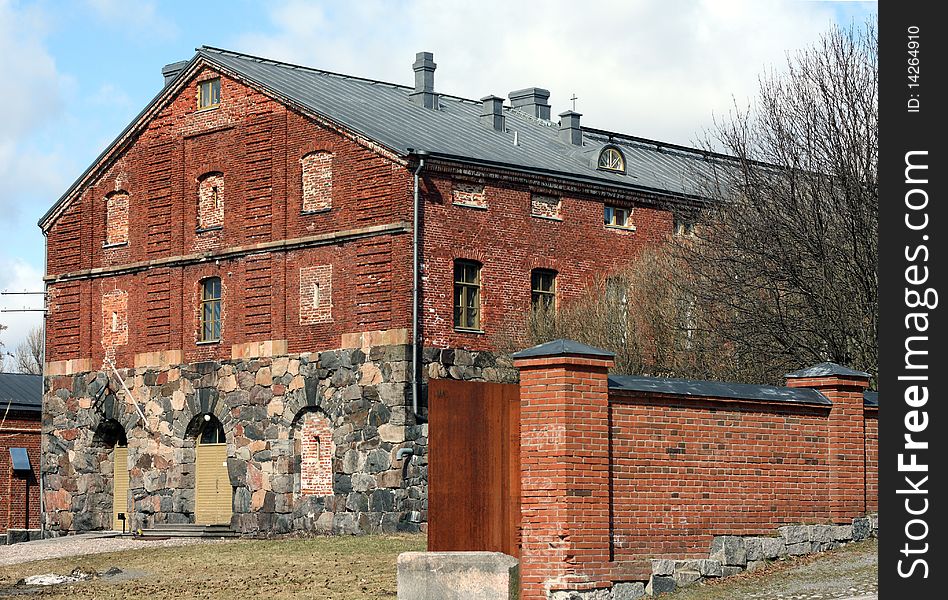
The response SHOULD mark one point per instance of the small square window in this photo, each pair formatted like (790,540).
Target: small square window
(209,93)
(617,217)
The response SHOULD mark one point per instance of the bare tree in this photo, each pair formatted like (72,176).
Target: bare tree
(3,353)
(782,271)
(788,256)
(29,353)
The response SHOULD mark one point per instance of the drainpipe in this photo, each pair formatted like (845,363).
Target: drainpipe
(416,345)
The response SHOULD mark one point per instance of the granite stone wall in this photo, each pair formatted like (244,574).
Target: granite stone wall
(262,404)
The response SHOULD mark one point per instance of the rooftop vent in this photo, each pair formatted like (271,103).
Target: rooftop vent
(492,113)
(171,71)
(569,128)
(424,67)
(531,101)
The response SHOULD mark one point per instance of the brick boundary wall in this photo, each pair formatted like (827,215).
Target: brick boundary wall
(614,479)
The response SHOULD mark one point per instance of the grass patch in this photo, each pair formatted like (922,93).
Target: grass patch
(337,568)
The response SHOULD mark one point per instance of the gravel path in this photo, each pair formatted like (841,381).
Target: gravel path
(77,545)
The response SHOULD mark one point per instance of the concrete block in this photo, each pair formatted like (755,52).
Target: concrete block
(458,576)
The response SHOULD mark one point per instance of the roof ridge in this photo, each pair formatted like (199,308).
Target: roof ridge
(280,63)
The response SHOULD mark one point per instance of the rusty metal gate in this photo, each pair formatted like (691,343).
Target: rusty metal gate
(473,466)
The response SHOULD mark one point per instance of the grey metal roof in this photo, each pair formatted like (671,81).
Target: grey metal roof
(826,369)
(563,348)
(870,399)
(382,112)
(716,389)
(20,392)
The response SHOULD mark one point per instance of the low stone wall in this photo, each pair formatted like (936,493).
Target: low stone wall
(458,576)
(731,554)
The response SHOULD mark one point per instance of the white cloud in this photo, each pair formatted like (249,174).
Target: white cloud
(648,68)
(16,275)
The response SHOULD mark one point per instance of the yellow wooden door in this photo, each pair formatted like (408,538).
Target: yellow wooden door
(119,486)
(212,491)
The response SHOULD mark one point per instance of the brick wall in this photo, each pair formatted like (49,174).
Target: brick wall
(316,455)
(254,151)
(509,240)
(116,218)
(872,459)
(613,478)
(19,492)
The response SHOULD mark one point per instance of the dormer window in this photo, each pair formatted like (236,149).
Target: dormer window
(611,159)
(209,93)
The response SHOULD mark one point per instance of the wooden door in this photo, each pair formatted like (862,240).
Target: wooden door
(473,467)
(119,486)
(213,497)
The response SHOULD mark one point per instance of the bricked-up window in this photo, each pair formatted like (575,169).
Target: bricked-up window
(543,290)
(545,206)
(469,194)
(618,217)
(116,218)
(210,310)
(467,294)
(209,93)
(316,294)
(317,181)
(315,449)
(211,201)
(610,159)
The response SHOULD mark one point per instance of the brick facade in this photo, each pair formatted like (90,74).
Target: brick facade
(19,491)
(116,216)
(316,181)
(308,228)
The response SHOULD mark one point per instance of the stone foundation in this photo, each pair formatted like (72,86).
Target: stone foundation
(365,394)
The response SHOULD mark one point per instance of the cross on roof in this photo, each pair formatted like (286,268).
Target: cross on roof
(574,98)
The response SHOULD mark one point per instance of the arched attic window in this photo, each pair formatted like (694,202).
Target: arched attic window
(611,159)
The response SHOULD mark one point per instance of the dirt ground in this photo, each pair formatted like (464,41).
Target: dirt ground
(850,572)
(327,568)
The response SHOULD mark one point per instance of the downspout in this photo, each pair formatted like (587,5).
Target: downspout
(416,344)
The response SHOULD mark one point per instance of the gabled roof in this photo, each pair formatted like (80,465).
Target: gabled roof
(563,348)
(20,392)
(827,369)
(382,113)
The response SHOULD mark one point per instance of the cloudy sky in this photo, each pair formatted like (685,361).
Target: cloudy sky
(74,73)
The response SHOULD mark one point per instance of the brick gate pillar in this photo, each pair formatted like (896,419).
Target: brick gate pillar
(564,458)
(847,434)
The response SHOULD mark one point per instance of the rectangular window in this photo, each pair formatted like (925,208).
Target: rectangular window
(467,295)
(543,289)
(209,93)
(617,217)
(211,310)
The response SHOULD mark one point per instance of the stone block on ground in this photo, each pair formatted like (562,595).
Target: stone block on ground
(660,584)
(710,568)
(727,571)
(684,578)
(729,549)
(663,566)
(798,549)
(773,548)
(794,534)
(457,576)
(861,528)
(842,533)
(628,591)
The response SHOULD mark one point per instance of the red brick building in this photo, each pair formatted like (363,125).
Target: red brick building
(233,306)
(20,410)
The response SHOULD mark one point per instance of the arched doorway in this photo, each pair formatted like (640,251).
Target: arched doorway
(213,495)
(111,434)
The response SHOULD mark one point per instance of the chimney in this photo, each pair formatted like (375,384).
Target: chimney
(171,71)
(492,113)
(569,128)
(531,101)
(424,67)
